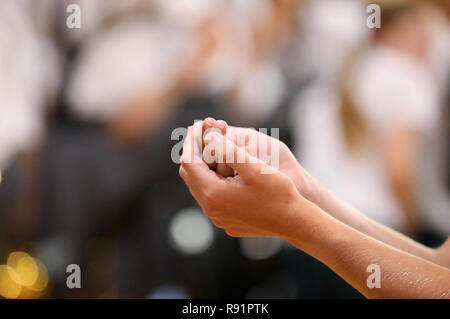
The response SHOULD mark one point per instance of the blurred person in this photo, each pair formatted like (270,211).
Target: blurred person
(153,82)
(360,133)
(220,48)
(261,84)
(29,75)
(29,84)
(433,196)
(328,32)
(243,67)
(124,41)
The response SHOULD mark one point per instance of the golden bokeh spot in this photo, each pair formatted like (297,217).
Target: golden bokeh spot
(14,257)
(9,286)
(42,281)
(28,271)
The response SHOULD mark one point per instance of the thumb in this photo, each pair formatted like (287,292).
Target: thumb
(226,151)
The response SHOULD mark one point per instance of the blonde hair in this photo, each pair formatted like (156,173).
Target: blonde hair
(355,129)
(354,125)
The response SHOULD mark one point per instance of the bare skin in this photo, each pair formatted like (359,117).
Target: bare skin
(312,190)
(292,205)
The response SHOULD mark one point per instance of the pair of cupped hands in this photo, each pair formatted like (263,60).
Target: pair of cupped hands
(242,190)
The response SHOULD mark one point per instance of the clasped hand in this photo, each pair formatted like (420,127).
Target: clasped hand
(253,198)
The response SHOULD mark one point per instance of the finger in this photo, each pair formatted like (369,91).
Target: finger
(203,182)
(225,151)
(218,223)
(188,155)
(197,131)
(208,156)
(208,124)
(220,168)
(243,136)
(192,147)
(243,232)
(200,193)
(195,169)
(236,226)
(222,125)
(257,144)
(210,121)
(195,192)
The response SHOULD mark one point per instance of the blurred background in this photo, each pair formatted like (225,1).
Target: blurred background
(86,117)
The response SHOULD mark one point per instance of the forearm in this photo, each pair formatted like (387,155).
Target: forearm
(348,252)
(351,217)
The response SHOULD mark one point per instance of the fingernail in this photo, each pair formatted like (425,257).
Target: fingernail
(210,121)
(222,124)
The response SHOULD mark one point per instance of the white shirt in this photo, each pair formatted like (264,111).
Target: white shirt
(389,89)
(29,74)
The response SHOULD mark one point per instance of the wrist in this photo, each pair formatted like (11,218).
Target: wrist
(306,184)
(301,222)
(316,193)
(312,230)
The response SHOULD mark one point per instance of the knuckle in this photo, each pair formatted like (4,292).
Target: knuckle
(233,233)
(283,146)
(181,172)
(210,213)
(184,160)
(212,196)
(217,223)
(229,233)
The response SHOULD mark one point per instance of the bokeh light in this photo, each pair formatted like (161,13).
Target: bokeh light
(9,282)
(191,232)
(259,248)
(26,268)
(168,291)
(23,276)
